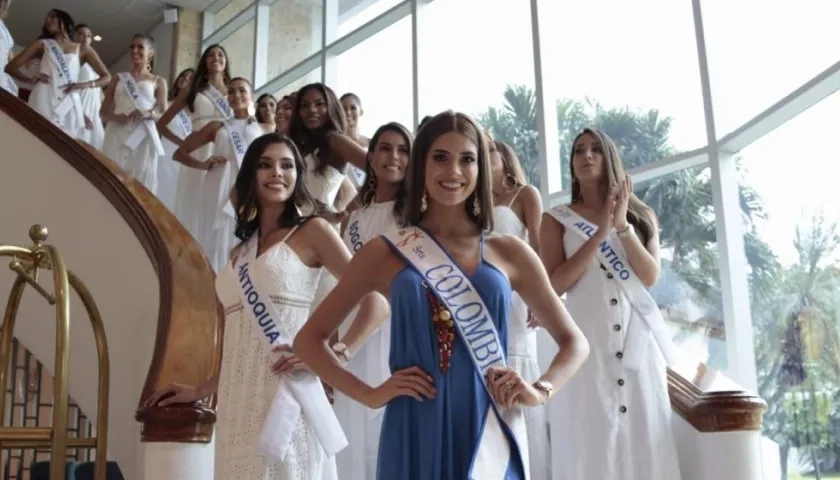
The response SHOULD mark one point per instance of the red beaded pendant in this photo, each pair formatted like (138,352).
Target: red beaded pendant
(444,330)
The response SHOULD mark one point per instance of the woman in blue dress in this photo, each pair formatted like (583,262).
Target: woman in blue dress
(453,406)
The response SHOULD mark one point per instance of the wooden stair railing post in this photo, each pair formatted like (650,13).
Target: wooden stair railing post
(26,263)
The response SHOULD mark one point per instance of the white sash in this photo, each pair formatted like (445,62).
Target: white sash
(185,123)
(644,306)
(147,127)
(239,143)
(219,101)
(300,393)
(70,101)
(478,332)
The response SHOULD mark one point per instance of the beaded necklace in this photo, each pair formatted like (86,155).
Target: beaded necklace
(444,329)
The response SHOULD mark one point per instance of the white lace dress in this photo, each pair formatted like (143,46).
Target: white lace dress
(91,104)
(370,363)
(141,163)
(522,352)
(6,44)
(323,187)
(246,383)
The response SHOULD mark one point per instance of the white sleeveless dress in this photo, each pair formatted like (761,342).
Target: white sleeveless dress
(91,104)
(246,383)
(323,187)
(610,422)
(522,352)
(142,162)
(46,97)
(168,169)
(7,42)
(218,226)
(188,207)
(361,424)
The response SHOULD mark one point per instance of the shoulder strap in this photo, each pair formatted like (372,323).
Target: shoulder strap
(510,204)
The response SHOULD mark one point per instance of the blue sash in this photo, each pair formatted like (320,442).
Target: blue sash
(70,101)
(185,123)
(476,329)
(239,143)
(147,129)
(300,393)
(646,315)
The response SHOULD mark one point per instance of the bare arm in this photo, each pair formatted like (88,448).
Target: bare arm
(532,283)
(348,150)
(373,310)
(563,272)
(161,94)
(346,193)
(310,345)
(532,210)
(89,56)
(644,259)
(106,111)
(163,122)
(193,142)
(32,51)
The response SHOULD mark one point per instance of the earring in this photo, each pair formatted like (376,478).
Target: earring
(476,206)
(423,203)
(252,213)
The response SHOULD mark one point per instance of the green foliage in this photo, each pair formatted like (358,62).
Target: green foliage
(801,298)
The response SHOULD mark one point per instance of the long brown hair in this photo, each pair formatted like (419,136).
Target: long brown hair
(511,163)
(366,193)
(201,77)
(439,125)
(638,214)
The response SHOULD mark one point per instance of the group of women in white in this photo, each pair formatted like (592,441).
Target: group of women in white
(417,299)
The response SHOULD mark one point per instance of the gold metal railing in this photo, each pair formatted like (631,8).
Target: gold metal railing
(27,263)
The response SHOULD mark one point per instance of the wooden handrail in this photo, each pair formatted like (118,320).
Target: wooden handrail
(189,325)
(711,402)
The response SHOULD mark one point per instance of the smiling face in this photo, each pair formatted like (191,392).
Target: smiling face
(267,108)
(185,80)
(390,157)
(276,175)
(451,169)
(140,51)
(239,94)
(352,110)
(283,114)
(215,60)
(313,109)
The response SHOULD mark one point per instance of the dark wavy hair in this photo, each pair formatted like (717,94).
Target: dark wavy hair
(201,77)
(434,128)
(175,90)
(245,189)
(366,193)
(65,21)
(258,115)
(310,141)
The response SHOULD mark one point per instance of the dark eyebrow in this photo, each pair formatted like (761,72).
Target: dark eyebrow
(444,152)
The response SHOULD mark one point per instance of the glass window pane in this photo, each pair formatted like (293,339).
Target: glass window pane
(793,251)
(378,70)
(633,68)
(232,9)
(760,51)
(311,77)
(492,79)
(355,13)
(688,291)
(240,51)
(294,33)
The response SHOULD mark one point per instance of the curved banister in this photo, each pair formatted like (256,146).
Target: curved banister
(710,402)
(187,347)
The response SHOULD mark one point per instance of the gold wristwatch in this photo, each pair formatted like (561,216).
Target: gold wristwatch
(544,386)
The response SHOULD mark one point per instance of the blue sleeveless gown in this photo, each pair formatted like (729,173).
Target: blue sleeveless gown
(436,439)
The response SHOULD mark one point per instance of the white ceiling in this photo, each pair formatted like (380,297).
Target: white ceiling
(115,20)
